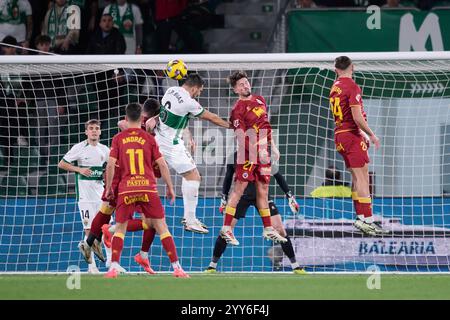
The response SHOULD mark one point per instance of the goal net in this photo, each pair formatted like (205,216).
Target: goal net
(45,102)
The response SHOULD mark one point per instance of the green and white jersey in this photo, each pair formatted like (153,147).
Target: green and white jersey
(89,189)
(177,107)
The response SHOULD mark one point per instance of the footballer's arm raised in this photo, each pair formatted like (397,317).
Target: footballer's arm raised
(214,118)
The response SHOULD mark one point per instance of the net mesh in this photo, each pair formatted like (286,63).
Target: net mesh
(407,103)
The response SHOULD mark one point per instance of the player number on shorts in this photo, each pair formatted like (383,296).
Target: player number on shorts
(85,214)
(248,165)
(335,104)
(140,154)
(363,146)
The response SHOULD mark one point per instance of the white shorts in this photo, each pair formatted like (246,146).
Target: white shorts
(88,211)
(177,157)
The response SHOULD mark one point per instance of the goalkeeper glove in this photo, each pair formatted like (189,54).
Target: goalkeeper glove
(295,208)
(223,203)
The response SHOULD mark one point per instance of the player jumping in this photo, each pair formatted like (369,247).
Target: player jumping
(178,105)
(352,137)
(254,139)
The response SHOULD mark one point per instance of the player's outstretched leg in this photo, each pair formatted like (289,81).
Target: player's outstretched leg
(226,232)
(168,245)
(189,187)
(219,249)
(287,246)
(364,222)
(269,232)
(141,258)
(93,241)
(117,246)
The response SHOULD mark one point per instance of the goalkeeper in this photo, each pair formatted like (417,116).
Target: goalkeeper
(248,199)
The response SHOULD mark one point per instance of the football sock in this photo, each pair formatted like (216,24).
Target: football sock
(265,216)
(189,188)
(356,205)
(288,249)
(229,215)
(144,254)
(96,227)
(219,249)
(169,246)
(366,209)
(117,246)
(147,239)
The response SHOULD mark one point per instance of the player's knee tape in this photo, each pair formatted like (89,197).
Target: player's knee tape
(355,195)
(264,212)
(165,235)
(230,210)
(364,200)
(106,209)
(119,235)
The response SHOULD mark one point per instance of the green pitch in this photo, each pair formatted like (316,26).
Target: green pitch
(226,286)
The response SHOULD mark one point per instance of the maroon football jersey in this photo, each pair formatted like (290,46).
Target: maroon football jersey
(135,151)
(250,117)
(345,94)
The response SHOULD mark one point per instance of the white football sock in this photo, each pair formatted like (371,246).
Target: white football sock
(176,265)
(213,264)
(93,260)
(108,255)
(144,254)
(189,188)
(369,219)
(361,217)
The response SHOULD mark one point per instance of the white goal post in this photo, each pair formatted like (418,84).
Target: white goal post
(45,101)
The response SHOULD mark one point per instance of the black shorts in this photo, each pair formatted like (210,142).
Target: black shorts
(245,203)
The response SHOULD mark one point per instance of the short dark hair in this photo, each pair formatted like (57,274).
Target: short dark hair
(151,107)
(133,112)
(10,40)
(91,122)
(236,76)
(342,62)
(43,38)
(193,80)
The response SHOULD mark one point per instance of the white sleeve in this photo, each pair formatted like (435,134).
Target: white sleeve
(25,4)
(73,154)
(137,14)
(194,108)
(106,153)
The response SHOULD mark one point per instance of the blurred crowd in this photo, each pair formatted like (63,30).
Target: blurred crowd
(128,26)
(421,4)
(105,26)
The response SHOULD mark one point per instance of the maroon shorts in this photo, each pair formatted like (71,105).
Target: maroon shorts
(147,203)
(250,172)
(114,186)
(353,149)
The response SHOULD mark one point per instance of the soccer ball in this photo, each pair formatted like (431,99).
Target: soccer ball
(176,69)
